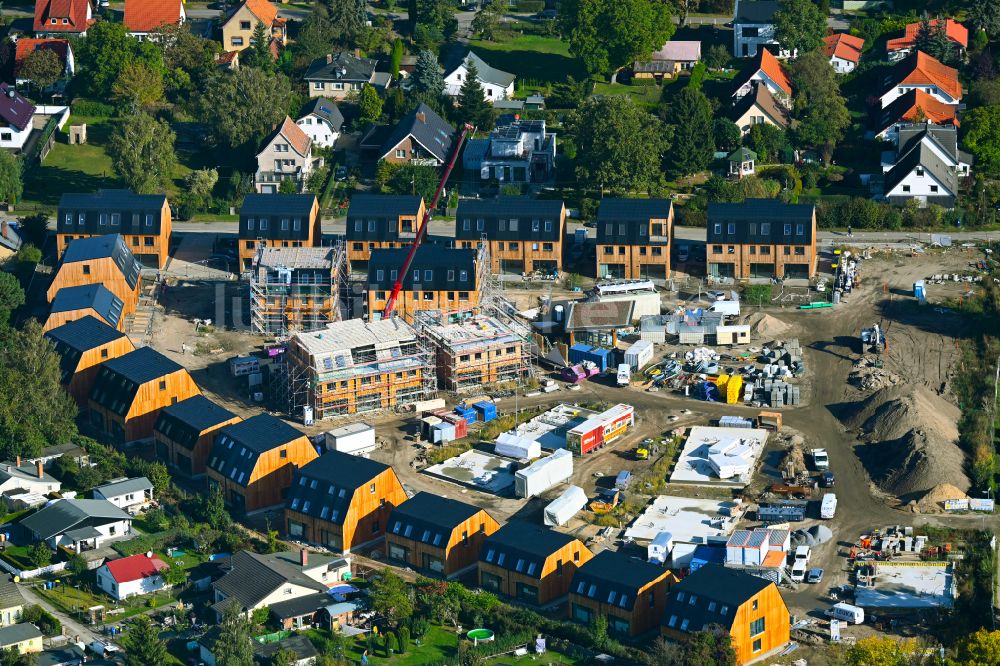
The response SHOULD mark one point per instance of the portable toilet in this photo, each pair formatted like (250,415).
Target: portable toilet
(918,291)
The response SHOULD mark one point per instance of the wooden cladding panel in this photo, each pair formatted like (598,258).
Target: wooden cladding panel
(551,585)
(86,370)
(101,271)
(457,554)
(410,302)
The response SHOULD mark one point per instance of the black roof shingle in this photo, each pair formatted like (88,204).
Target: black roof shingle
(766,221)
(184,421)
(426,128)
(429,518)
(276,211)
(119,379)
(108,246)
(84,334)
(522,547)
(90,296)
(376,216)
(509,218)
(238,446)
(712,586)
(324,487)
(626,221)
(440,269)
(613,578)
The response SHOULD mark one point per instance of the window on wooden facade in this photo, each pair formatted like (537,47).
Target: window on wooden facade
(757,626)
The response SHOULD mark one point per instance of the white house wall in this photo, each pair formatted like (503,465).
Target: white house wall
(899,90)
(920,186)
(319,130)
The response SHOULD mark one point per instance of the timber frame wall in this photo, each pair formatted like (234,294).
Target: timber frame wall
(151,249)
(643,616)
(477,361)
(553,581)
(97,271)
(272,475)
(90,361)
(150,398)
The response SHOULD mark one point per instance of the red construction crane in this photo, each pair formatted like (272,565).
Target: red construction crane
(390,305)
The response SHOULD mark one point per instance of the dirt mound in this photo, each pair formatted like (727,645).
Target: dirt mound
(935,498)
(912,440)
(768,327)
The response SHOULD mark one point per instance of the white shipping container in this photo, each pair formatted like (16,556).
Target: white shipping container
(681,555)
(659,548)
(543,474)
(353,438)
(639,354)
(510,445)
(731,308)
(421,406)
(564,507)
(828,508)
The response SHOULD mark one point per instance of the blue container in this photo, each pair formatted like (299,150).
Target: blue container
(578,352)
(468,413)
(487,411)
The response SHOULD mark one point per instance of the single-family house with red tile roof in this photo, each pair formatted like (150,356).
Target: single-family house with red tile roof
(914,106)
(843,50)
(767,71)
(900,47)
(920,71)
(131,576)
(145,16)
(57,18)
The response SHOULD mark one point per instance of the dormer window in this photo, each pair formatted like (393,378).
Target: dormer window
(65,21)
(55,21)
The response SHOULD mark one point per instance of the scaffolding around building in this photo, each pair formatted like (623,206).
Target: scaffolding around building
(296,288)
(353,367)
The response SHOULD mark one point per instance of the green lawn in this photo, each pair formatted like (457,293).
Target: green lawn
(438,644)
(531,659)
(18,556)
(536,60)
(642,94)
(72,600)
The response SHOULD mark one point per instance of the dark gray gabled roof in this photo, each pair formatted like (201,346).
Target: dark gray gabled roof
(184,421)
(429,518)
(426,128)
(324,487)
(277,204)
(263,653)
(922,155)
(300,606)
(238,446)
(325,109)
(613,578)
(82,334)
(18,633)
(760,221)
(116,488)
(394,205)
(522,547)
(438,263)
(93,296)
(944,136)
(10,596)
(119,379)
(341,66)
(67,514)
(758,11)
(713,586)
(628,210)
(252,577)
(104,247)
(487,73)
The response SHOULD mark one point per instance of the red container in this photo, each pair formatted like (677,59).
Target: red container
(461,425)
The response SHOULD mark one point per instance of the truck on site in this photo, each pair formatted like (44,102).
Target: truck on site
(820,459)
(828,507)
(624,374)
(847,613)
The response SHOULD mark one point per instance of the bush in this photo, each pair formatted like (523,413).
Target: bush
(29,254)
(757,294)
(533,6)
(88,107)
(419,626)
(46,622)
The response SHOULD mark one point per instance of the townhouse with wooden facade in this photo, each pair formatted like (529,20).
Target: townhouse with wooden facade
(104,260)
(440,278)
(252,462)
(630,593)
(436,535)
(131,390)
(277,220)
(185,432)
(749,608)
(523,235)
(633,238)
(82,345)
(530,563)
(86,300)
(342,502)
(761,239)
(380,221)
(143,220)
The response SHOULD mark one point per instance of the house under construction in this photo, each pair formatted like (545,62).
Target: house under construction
(295,288)
(355,366)
(479,351)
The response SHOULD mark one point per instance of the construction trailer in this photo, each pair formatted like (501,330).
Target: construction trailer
(354,366)
(296,288)
(600,429)
(480,351)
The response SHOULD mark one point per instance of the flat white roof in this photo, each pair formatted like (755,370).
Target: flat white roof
(349,429)
(909,585)
(352,333)
(688,520)
(549,428)
(736,450)
(479,470)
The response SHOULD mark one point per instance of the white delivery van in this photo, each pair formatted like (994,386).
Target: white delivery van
(847,613)
(803,553)
(828,508)
(799,570)
(624,374)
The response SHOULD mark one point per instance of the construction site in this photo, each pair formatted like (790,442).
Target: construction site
(296,288)
(479,351)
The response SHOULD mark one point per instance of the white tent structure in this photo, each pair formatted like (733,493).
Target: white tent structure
(543,474)
(510,445)
(564,507)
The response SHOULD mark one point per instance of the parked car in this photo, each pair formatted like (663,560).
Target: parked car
(341,173)
(815,576)
(826,479)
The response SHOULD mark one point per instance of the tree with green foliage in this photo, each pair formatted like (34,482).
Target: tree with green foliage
(433,21)
(607,35)
(472,105)
(138,86)
(712,646)
(42,67)
(727,134)
(11,298)
(767,141)
(106,52)
(258,55)
(619,146)
(348,19)
(982,137)
(235,644)
(567,94)
(11,183)
(391,643)
(284,657)
(142,152)
(142,644)
(175,576)
(243,106)
(717,57)
(486,23)
(599,631)
(404,639)
(39,554)
(985,16)
(396,57)
(428,82)
(370,104)
(28,254)
(390,597)
(214,510)
(288,186)
(820,109)
(34,413)
(314,39)
(979,649)
(693,144)
(880,651)
(34,228)
(799,26)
